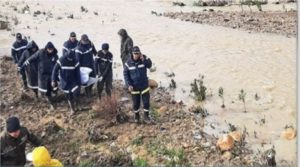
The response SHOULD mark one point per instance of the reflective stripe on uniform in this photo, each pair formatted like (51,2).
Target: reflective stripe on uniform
(65,48)
(78,51)
(32,87)
(73,90)
(68,67)
(42,90)
(89,50)
(19,48)
(141,66)
(145,110)
(146,90)
(138,92)
(135,92)
(137,111)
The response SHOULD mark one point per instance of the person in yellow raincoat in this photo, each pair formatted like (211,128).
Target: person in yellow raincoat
(40,157)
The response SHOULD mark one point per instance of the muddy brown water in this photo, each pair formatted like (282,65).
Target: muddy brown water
(256,62)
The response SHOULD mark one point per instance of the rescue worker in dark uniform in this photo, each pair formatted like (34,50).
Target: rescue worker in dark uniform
(84,53)
(70,44)
(67,72)
(126,45)
(46,59)
(18,47)
(135,74)
(13,143)
(31,71)
(103,68)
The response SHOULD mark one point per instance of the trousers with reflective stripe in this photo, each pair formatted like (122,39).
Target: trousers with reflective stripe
(137,95)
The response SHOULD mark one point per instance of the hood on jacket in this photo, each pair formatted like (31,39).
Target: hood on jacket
(50,45)
(123,33)
(31,45)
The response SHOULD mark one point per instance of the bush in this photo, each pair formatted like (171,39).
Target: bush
(198,89)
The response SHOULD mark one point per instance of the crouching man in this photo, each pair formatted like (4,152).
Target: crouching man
(13,143)
(135,74)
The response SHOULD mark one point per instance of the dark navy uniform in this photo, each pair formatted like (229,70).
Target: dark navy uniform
(69,46)
(135,74)
(67,72)
(18,47)
(46,62)
(84,53)
(103,68)
(32,69)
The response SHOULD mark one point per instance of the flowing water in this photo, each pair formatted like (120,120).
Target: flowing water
(233,59)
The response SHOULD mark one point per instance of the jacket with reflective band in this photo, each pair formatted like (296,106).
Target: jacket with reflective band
(135,73)
(17,49)
(67,71)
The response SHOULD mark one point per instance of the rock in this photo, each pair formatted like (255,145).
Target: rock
(226,20)
(288,134)
(3,25)
(236,135)
(225,142)
(211,10)
(59,18)
(71,16)
(163,109)
(206,144)
(226,156)
(181,4)
(152,83)
(37,12)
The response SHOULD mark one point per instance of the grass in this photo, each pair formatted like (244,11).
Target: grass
(139,162)
(175,157)
(85,164)
(137,141)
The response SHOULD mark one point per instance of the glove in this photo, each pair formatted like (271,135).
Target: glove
(100,78)
(53,84)
(19,69)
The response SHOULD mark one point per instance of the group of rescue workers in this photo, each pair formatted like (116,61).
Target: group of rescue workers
(42,70)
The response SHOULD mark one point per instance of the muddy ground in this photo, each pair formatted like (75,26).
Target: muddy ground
(100,135)
(283,23)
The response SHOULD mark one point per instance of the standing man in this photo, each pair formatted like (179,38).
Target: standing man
(103,68)
(13,143)
(46,59)
(135,74)
(70,44)
(126,45)
(31,70)
(18,47)
(84,53)
(67,67)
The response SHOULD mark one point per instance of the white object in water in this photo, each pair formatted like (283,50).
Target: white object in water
(84,74)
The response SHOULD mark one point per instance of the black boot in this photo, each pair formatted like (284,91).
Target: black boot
(50,101)
(36,94)
(146,117)
(137,117)
(72,108)
(25,87)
